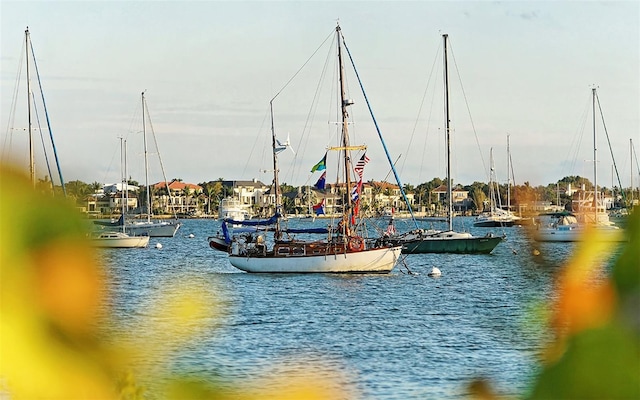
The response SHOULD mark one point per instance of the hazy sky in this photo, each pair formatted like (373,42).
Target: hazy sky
(210,68)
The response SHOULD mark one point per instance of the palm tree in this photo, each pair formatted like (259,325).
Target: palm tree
(376,191)
(213,190)
(421,192)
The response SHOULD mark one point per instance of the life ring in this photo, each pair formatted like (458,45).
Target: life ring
(356,243)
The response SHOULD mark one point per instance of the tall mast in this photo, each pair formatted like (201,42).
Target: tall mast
(631,163)
(345,118)
(123,179)
(595,159)
(32,163)
(508,176)
(146,160)
(448,133)
(276,182)
(492,184)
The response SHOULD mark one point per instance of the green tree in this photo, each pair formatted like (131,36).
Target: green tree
(479,192)
(78,190)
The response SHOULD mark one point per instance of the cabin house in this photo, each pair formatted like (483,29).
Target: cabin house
(385,195)
(460,197)
(175,197)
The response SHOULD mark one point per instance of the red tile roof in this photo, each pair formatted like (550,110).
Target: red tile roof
(178,186)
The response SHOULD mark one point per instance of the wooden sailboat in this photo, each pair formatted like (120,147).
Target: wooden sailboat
(345,248)
(448,241)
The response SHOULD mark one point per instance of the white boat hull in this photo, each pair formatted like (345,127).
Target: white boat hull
(153,229)
(380,260)
(119,240)
(575,233)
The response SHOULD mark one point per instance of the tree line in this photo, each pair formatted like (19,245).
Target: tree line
(479,192)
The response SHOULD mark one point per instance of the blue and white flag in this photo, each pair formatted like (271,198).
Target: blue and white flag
(321,181)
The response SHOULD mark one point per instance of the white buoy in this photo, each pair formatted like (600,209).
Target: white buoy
(191,235)
(434,272)
(158,246)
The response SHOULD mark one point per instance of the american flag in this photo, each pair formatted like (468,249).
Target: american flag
(360,165)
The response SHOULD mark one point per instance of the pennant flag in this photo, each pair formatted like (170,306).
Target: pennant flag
(360,165)
(355,192)
(319,208)
(320,184)
(355,198)
(321,165)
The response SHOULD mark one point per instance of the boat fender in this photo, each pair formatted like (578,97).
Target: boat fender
(235,248)
(356,243)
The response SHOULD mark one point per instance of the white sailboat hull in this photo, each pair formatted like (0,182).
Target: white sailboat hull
(119,240)
(153,229)
(575,233)
(380,260)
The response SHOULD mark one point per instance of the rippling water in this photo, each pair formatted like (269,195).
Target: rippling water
(393,336)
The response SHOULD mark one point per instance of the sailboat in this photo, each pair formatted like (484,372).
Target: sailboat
(148,227)
(34,122)
(593,215)
(345,248)
(495,216)
(119,239)
(447,241)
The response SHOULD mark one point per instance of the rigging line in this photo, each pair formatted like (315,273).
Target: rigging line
(255,142)
(12,113)
(306,130)
(579,135)
(428,130)
(615,166)
(113,156)
(44,146)
(155,142)
(464,95)
(636,157)
(46,114)
(303,65)
(513,176)
(395,173)
(118,150)
(390,169)
(415,125)
(296,74)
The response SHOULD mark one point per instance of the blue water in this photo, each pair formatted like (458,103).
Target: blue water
(396,336)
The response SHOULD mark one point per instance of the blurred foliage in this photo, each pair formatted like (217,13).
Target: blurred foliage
(595,320)
(55,317)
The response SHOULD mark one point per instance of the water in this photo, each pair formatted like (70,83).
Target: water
(395,336)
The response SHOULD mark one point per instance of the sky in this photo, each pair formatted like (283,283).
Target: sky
(210,68)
